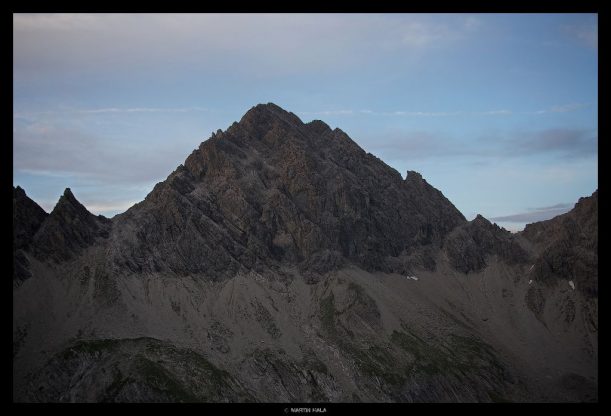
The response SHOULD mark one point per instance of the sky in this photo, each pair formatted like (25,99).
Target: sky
(497,111)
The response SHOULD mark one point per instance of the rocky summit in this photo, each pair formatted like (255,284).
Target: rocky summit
(283,263)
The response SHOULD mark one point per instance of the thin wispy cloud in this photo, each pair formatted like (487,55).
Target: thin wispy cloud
(106,207)
(563,108)
(472,23)
(416,145)
(51,150)
(423,113)
(566,108)
(562,205)
(29,114)
(562,142)
(585,33)
(451,113)
(141,110)
(270,43)
(408,113)
(327,113)
(342,112)
(418,34)
(536,214)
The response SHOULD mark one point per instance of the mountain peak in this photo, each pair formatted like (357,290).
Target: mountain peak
(480,217)
(19,192)
(68,229)
(264,114)
(27,218)
(69,201)
(271,107)
(289,192)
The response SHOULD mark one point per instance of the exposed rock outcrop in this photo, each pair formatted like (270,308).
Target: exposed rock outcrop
(469,245)
(272,190)
(27,219)
(567,247)
(68,230)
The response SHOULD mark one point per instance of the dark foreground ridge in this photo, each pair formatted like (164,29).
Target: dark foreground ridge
(282,251)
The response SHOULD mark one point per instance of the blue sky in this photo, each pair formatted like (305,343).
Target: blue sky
(498,111)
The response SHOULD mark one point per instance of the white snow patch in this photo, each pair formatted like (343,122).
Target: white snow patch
(412,277)
(571,284)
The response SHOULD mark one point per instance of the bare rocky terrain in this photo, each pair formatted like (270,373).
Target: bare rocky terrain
(282,263)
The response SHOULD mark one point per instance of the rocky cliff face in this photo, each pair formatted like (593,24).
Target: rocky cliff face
(272,190)
(281,262)
(469,245)
(27,218)
(567,247)
(566,260)
(68,230)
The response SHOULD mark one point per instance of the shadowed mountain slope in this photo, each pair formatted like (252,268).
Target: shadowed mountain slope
(281,262)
